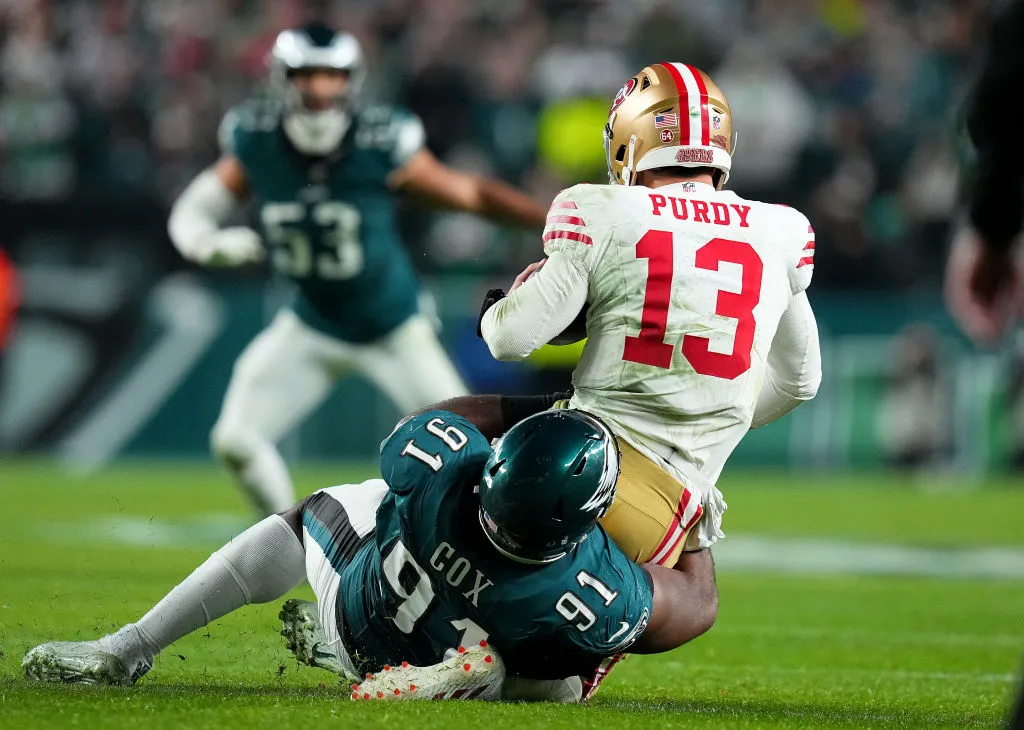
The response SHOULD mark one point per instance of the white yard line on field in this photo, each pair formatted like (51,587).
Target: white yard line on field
(831,557)
(754,670)
(750,554)
(832,634)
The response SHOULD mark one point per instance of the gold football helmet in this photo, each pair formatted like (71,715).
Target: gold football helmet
(668,115)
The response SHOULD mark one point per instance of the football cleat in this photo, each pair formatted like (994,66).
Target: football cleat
(300,626)
(79,662)
(476,673)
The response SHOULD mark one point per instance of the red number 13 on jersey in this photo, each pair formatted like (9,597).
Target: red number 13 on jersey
(650,348)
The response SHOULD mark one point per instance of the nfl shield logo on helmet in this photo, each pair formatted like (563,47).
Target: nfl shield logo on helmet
(716,121)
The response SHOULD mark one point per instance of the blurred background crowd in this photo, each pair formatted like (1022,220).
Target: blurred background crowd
(846,109)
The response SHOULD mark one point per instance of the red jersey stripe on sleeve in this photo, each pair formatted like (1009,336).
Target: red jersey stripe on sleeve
(568,235)
(570,219)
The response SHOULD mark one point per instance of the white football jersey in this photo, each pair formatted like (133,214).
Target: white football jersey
(686,288)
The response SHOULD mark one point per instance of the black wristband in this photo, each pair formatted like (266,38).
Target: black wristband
(514,408)
(490,299)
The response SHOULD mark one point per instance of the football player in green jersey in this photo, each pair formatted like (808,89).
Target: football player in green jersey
(483,568)
(323,172)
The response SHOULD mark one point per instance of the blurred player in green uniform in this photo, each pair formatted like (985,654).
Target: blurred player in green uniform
(323,171)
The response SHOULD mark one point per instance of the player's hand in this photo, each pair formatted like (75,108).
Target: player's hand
(983,288)
(527,273)
(228,247)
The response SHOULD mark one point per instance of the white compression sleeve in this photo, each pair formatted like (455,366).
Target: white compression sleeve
(262,564)
(201,209)
(537,311)
(794,364)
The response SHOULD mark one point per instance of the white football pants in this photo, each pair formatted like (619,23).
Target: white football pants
(289,369)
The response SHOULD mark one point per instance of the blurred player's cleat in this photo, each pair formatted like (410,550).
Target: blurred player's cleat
(300,626)
(79,662)
(473,674)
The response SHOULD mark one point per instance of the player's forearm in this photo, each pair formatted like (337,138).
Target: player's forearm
(493,415)
(794,364)
(535,313)
(500,202)
(685,603)
(198,213)
(483,411)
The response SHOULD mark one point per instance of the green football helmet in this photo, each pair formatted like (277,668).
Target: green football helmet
(549,480)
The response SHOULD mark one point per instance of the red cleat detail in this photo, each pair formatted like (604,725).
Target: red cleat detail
(466,667)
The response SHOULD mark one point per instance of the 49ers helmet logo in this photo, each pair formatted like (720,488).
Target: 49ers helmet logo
(622,94)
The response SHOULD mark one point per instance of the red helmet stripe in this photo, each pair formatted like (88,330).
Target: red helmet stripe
(684,97)
(705,123)
(689,83)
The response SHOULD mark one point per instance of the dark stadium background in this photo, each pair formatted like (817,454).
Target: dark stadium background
(844,109)
(873,570)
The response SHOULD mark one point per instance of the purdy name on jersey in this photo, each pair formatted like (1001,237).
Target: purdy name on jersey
(430,581)
(329,223)
(686,287)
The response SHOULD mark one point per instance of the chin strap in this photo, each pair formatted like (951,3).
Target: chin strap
(627,169)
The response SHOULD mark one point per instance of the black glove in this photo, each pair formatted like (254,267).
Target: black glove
(492,297)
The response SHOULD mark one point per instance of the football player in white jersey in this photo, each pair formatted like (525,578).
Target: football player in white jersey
(697,319)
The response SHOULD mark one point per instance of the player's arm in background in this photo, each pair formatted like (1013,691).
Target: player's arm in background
(547,298)
(983,286)
(427,178)
(793,371)
(996,204)
(212,199)
(420,174)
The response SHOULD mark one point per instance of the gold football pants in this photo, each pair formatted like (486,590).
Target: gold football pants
(652,513)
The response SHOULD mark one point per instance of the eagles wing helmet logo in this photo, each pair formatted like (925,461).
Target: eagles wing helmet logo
(604,494)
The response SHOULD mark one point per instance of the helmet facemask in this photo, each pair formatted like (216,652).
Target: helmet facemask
(517,549)
(315,125)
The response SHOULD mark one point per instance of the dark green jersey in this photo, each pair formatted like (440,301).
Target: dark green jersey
(329,223)
(430,580)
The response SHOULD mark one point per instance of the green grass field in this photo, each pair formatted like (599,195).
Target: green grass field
(840,636)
